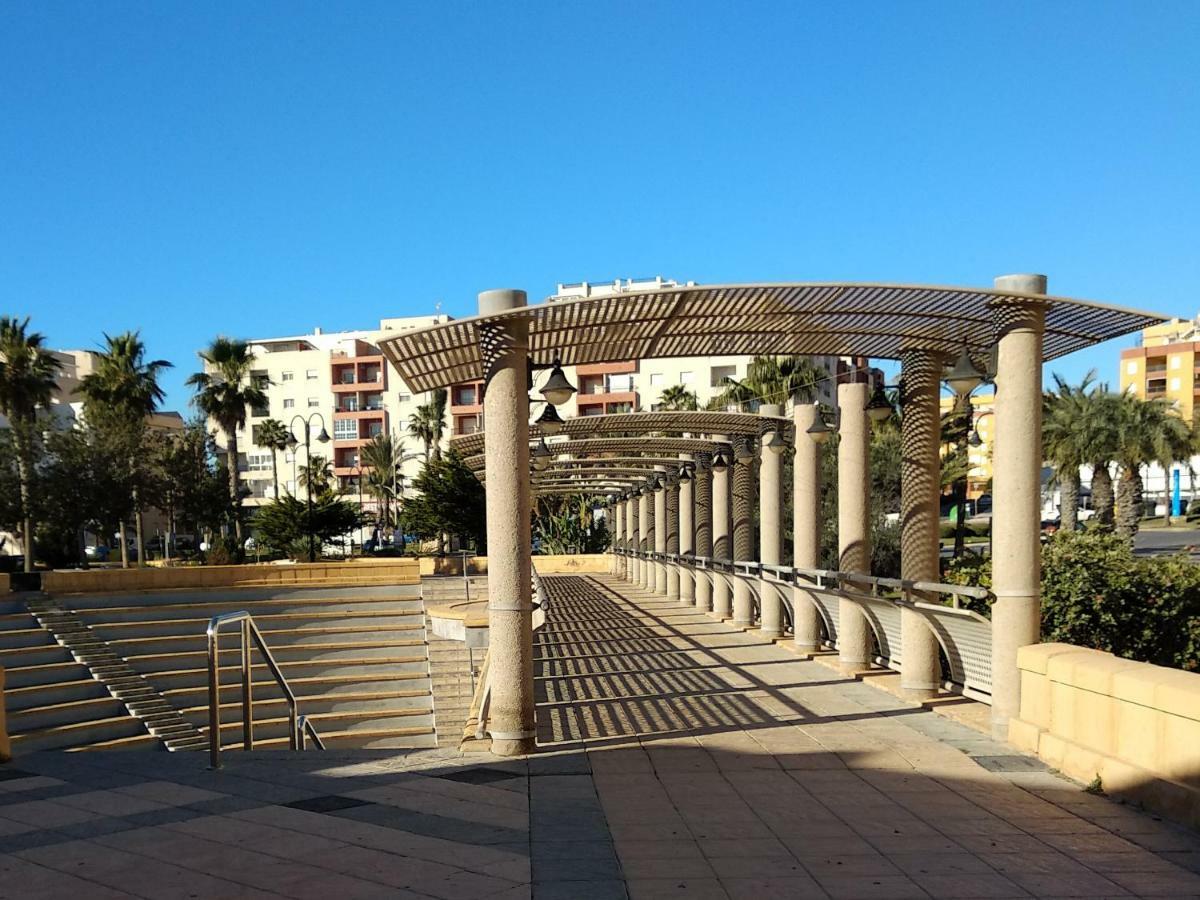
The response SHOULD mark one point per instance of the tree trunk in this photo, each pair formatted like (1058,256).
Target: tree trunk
(25,477)
(137,526)
(83,560)
(235,495)
(275,472)
(1102,495)
(1068,504)
(124,545)
(1127,511)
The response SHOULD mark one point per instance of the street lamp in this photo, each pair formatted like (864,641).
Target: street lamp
(292,443)
(358,473)
(550,421)
(557,389)
(879,408)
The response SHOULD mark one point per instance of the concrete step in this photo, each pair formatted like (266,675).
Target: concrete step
(278,641)
(132,742)
(205,609)
(180,682)
(65,712)
(345,725)
(76,734)
(15,621)
(298,659)
(24,637)
(362,702)
(34,655)
(381,739)
(43,673)
(59,692)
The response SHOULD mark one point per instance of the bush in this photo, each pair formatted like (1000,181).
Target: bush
(1096,593)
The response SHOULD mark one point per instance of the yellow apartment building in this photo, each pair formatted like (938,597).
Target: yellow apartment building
(1164,365)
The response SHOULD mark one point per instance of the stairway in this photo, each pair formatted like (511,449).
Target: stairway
(356,658)
(125,685)
(53,700)
(450,670)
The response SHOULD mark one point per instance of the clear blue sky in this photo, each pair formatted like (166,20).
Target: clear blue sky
(258,169)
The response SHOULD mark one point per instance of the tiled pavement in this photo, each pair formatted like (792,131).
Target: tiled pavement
(683,759)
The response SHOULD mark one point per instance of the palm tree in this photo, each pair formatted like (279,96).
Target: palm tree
(119,395)
(316,475)
(428,424)
(1099,442)
(273,435)
(678,398)
(773,379)
(1063,410)
(223,391)
(1148,431)
(381,458)
(28,374)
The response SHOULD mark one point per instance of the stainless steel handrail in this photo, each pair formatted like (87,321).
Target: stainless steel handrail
(299,727)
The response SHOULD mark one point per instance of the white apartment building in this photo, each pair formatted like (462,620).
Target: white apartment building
(339,382)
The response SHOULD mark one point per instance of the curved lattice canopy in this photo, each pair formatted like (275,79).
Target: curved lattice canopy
(872,320)
(624,446)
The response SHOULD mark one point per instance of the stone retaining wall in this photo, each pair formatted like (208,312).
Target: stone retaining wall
(1134,725)
(393,571)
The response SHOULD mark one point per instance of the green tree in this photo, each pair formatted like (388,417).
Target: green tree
(284,524)
(273,435)
(564,524)
(223,391)
(428,424)
(1099,437)
(678,398)
(1063,411)
(316,475)
(194,492)
(450,500)
(381,457)
(772,379)
(119,395)
(27,381)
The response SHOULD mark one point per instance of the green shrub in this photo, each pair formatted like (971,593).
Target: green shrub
(1096,593)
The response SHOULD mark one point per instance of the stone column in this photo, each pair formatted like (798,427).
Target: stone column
(920,490)
(806,524)
(672,492)
(743,530)
(1016,485)
(631,539)
(854,520)
(660,533)
(505,349)
(616,519)
(722,539)
(687,536)
(704,529)
(645,538)
(770,527)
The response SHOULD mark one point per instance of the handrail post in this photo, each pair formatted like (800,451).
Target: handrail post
(247,691)
(214,701)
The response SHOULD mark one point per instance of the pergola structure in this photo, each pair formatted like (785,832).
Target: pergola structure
(1008,330)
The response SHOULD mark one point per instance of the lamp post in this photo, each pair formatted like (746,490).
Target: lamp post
(962,378)
(358,473)
(292,443)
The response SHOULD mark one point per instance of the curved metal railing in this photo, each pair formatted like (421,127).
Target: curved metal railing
(299,727)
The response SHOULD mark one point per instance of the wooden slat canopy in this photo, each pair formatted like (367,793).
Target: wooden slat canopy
(835,319)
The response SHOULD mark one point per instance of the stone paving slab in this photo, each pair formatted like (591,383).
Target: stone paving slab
(680,758)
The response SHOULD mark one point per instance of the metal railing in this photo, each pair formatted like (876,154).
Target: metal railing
(299,727)
(964,635)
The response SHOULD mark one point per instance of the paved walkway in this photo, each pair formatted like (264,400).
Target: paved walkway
(684,759)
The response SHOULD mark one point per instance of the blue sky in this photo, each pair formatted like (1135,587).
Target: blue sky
(257,169)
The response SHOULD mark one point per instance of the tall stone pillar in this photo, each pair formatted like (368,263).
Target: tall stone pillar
(806,524)
(631,538)
(660,531)
(506,464)
(1016,485)
(920,490)
(722,605)
(743,528)
(770,527)
(687,535)
(672,492)
(704,529)
(854,520)
(616,518)
(645,538)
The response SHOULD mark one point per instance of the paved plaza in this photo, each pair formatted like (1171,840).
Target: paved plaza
(682,758)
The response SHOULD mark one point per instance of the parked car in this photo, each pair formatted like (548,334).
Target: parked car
(98,553)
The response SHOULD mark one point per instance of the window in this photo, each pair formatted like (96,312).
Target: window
(345,429)
(349,404)
(656,379)
(1174,384)
(1131,368)
(718,374)
(374,401)
(287,376)
(289,404)
(404,398)
(620,383)
(1176,362)
(311,375)
(313,402)
(374,428)
(687,377)
(258,462)
(289,457)
(291,487)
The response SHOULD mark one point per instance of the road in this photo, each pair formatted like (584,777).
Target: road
(1161,542)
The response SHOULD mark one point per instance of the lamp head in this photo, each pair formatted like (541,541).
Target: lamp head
(557,389)
(819,431)
(550,421)
(879,408)
(964,376)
